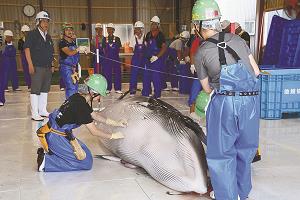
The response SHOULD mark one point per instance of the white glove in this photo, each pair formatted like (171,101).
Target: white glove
(82,49)
(122,123)
(187,59)
(193,69)
(117,135)
(153,59)
(182,62)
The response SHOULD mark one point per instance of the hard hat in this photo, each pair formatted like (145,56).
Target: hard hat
(8,33)
(185,34)
(139,24)
(205,10)
(155,19)
(67,25)
(97,83)
(225,24)
(25,28)
(98,25)
(110,25)
(42,15)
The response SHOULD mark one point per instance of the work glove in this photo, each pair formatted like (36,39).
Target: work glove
(122,123)
(182,62)
(193,69)
(82,49)
(153,59)
(117,135)
(75,77)
(187,59)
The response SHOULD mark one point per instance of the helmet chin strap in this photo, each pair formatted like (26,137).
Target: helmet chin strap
(67,36)
(198,32)
(92,96)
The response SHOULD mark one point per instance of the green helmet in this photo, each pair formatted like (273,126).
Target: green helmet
(205,10)
(201,103)
(67,25)
(97,83)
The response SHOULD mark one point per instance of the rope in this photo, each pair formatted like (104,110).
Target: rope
(152,70)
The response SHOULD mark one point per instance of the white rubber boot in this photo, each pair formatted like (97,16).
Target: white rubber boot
(43,99)
(34,100)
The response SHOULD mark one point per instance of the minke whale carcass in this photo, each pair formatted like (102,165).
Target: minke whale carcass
(167,144)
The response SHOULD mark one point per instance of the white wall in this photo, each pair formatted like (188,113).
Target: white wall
(239,11)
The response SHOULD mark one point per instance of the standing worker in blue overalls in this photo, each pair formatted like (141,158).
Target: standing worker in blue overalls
(9,62)
(225,66)
(155,49)
(24,29)
(196,85)
(111,62)
(62,151)
(98,44)
(138,58)
(2,92)
(178,59)
(68,60)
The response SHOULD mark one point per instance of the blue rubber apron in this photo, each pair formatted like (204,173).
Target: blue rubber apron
(9,65)
(66,71)
(111,65)
(138,59)
(61,157)
(153,76)
(232,121)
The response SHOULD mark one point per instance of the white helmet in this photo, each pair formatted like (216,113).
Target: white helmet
(42,15)
(139,24)
(155,19)
(98,25)
(110,25)
(25,28)
(185,34)
(8,33)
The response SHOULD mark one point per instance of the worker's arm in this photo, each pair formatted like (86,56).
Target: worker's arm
(162,50)
(99,133)
(254,65)
(108,121)
(20,61)
(179,55)
(29,61)
(70,52)
(205,85)
(98,117)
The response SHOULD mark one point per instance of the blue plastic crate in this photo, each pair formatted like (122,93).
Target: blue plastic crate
(289,44)
(272,49)
(280,93)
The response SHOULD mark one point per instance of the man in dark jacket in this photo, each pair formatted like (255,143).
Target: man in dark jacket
(39,54)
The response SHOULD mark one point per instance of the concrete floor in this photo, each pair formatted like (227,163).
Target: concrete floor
(276,177)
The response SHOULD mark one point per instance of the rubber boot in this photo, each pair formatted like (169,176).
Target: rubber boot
(34,100)
(43,98)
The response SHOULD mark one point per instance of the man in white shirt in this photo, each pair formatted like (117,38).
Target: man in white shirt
(137,42)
